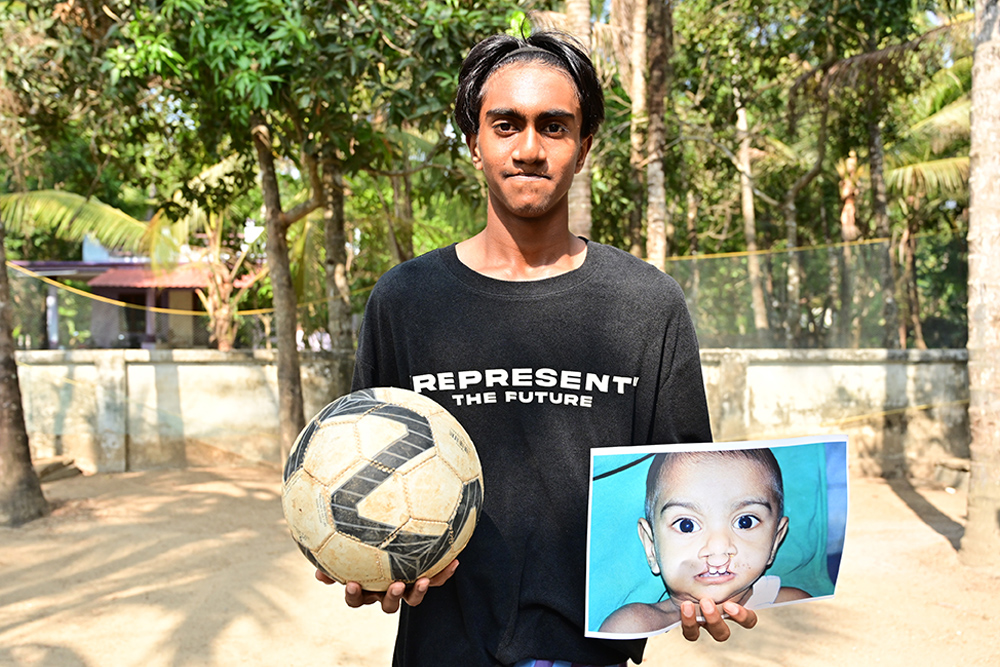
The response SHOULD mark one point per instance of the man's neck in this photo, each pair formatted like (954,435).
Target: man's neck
(518,249)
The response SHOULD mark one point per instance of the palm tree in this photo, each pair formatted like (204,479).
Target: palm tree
(981,542)
(21,496)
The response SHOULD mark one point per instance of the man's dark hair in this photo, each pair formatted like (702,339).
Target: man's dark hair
(555,49)
(763,456)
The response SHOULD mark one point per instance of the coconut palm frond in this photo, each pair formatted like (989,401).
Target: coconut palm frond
(940,129)
(607,52)
(164,240)
(946,86)
(71,217)
(547,20)
(947,176)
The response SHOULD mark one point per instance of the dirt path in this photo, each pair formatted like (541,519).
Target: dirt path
(195,567)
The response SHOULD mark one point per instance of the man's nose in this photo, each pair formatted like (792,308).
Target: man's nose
(529,146)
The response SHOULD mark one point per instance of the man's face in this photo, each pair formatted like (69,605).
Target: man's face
(715,529)
(529,145)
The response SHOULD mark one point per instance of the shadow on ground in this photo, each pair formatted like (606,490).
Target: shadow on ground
(940,522)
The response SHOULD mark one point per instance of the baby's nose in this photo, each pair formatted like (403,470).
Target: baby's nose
(718,549)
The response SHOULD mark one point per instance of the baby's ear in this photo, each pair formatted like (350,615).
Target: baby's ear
(646,537)
(779,537)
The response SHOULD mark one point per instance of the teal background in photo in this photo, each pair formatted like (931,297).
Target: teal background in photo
(619,573)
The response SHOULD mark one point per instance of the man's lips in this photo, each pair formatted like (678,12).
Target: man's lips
(527,176)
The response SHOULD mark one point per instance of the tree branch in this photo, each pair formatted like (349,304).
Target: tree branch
(732,158)
(314,202)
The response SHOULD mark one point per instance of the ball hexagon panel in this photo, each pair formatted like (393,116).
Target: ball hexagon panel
(422,527)
(333,455)
(347,559)
(433,490)
(305,503)
(374,433)
(386,503)
(455,447)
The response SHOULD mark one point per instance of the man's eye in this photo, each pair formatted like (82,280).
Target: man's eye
(555,128)
(746,521)
(685,525)
(504,126)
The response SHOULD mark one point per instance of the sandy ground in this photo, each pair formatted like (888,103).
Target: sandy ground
(195,567)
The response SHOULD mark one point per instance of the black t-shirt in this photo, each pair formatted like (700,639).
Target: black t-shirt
(538,373)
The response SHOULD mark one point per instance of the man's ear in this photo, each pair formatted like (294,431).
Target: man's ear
(472,141)
(646,537)
(584,150)
(779,537)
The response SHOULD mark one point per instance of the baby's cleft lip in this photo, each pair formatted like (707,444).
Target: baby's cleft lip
(720,577)
(715,573)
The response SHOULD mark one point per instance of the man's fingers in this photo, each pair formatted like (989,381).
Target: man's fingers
(444,575)
(414,594)
(392,597)
(747,618)
(714,622)
(355,596)
(321,576)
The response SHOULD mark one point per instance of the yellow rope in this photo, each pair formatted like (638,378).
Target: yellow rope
(267,311)
(747,253)
(896,411)
(134,306)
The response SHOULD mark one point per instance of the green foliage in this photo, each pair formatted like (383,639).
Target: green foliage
(71,217)
(130,108)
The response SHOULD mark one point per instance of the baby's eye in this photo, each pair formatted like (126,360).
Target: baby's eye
(746,521)
(685,525)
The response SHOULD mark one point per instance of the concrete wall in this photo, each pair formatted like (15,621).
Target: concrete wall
(115,410)
(904,410)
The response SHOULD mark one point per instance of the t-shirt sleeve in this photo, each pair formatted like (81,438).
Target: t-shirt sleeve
(682,409)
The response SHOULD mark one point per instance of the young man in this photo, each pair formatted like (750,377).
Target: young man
(543,345)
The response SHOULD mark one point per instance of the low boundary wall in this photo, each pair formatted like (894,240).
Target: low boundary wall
(117,410)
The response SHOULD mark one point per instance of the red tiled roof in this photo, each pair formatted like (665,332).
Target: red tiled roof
(183,276)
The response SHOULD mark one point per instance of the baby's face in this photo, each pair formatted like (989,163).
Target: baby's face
(715,529)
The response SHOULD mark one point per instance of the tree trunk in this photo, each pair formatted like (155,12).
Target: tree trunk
(880,214)
(578,19)
(750,224)
(338,289)
(848,234)
(21,498)
(639,120)
(691,219)
(401,225)
(792,288)
(981,541)
(659,39)
(793,285)
(291,411)
(912,290)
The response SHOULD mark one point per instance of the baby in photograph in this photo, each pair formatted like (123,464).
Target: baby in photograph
(714,522)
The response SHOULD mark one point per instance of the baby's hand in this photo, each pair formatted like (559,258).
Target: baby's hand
(713,619)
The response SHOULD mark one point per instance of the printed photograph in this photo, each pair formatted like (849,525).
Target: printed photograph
(760,523)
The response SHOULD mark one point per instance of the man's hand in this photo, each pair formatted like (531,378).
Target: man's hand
(390,598)
(713,620)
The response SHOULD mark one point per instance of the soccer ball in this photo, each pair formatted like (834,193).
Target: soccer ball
(382,485)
